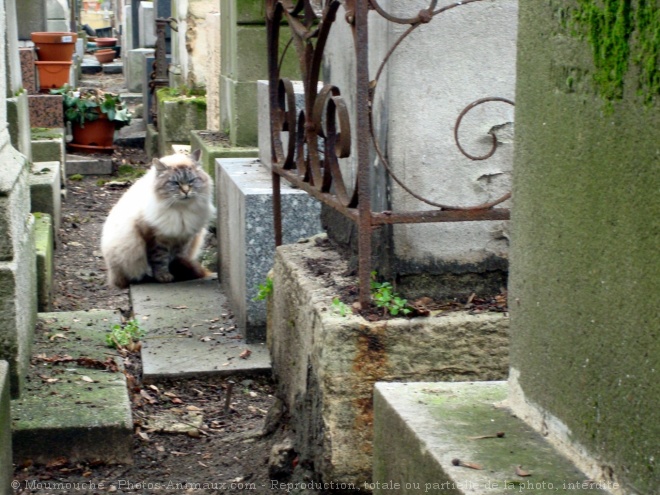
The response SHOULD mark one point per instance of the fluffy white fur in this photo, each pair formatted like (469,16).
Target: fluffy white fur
(124,249)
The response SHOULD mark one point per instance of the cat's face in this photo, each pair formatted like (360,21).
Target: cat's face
(180,179)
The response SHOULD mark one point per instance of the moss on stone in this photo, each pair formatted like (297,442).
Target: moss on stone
(620,33)
(45,133)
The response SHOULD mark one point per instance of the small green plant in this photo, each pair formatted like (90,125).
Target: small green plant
(384,297)
(76,177)
(124,336)
(265,290)
(339,307)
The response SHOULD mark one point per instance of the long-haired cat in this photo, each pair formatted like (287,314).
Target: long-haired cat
(156,229)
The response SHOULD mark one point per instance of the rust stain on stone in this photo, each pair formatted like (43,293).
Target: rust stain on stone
(369,366)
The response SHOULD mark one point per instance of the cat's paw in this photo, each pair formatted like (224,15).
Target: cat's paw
(164,277)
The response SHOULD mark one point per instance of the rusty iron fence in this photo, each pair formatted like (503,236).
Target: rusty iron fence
(321,133)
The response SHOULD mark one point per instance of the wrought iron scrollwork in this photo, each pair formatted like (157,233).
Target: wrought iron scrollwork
(320,134)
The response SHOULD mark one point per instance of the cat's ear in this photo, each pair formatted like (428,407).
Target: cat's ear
(160,166)
(196,155)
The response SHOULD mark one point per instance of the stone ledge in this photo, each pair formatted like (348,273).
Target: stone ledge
(326,364)
(43,241)
(88,166)
(49,422)
(436,423)
(45,191)
(213,147)
(5,431)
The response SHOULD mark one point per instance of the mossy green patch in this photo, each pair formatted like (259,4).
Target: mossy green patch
(45,133)
(76,177)
(620,33)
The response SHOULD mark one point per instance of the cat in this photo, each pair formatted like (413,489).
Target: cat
(157,228)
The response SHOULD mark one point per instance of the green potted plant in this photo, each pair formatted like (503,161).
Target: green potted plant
(94,116)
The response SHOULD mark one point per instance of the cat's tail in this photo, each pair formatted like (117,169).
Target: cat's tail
(185,269)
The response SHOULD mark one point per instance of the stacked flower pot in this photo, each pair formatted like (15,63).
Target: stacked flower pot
(55,54)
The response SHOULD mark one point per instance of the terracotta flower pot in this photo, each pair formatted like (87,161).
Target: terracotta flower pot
(99,133)
(53,74)
(55,47)
(106,42)
(105,56)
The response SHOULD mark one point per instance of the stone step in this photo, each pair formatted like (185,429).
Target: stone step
(191,332)
(439,424)
(131,136)
(70,409)
(84,165)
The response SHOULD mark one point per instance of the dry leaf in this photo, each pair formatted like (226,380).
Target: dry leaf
(58,336)
(245,354)
(205,339)
(174,452)
(148,397)
(179,307)
(154,388)
(87,379)
(143,436)
(521,472)
(176,400)
(193,408)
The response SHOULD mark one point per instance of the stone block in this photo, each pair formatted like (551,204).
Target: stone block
(28,71)
(45,191)
(88,166)
(436,423)
(134,68)
(45,426)
(246,239)
(48,145)
(147,23)
(127,29)
(263,115)
(326,364)
(46,111)
(33,18)
(238,111)
(5,431)
(215,145)
(151,141)
(177,116)
(18,121)
(44,247)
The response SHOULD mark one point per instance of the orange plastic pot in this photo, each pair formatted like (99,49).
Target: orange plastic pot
(106,42)
(53,74)
(105,56)
(55,47)
(99,133)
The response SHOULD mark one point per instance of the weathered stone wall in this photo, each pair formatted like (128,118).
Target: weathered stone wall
(326,364)
(585,276)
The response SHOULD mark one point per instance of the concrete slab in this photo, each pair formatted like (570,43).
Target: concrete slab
(437,423)
(191,332)
(82,165)
(90,66)
(5,430)
(70,409)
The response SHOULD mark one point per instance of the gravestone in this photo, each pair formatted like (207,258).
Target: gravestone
(147,25)
(243,63)
(585,353)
